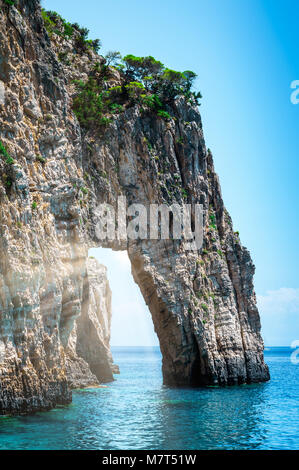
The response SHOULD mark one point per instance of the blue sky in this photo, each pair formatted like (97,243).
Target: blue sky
(245,55)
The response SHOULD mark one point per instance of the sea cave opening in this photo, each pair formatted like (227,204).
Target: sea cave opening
(133,339)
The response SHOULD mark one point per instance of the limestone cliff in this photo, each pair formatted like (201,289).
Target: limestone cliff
(88,357)
(53,175)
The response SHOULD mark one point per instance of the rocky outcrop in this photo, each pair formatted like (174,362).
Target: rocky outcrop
(89,359)
(202,303)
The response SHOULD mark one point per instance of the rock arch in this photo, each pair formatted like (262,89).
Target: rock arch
(202,303)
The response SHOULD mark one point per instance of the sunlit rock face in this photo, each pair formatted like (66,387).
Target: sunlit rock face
(54,304)
(89,360)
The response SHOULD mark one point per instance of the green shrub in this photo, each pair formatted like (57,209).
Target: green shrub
(149,145)
(88,104)
(94,105)
(63,57)
(115,91)
(34,205)
(105,121)
(3,151)
(166,83)
(41,159)
(82,45)
(9,160)
(68,30)
(184,193)
(134,89)
(141,67)
(84,190)
(48,23)
(10,2)
(164,114)
(103,174)
(151,101)
(7,181)
(116,108)
(54,23)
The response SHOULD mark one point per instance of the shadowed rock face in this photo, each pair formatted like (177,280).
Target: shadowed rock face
(202,303)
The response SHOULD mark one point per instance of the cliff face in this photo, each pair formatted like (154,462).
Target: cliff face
(88,357)
(202,303)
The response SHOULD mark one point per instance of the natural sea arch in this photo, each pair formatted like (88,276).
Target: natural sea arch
(131,323)
(151,282)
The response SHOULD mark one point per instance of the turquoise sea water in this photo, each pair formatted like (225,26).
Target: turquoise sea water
(137,412)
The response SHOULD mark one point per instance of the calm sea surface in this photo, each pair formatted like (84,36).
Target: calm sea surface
(137,412)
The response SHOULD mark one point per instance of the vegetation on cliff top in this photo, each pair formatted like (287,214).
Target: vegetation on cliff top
(9,2)
(54,23)
(142,80)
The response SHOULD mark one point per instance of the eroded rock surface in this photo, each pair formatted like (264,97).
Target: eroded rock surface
(89,359)
(203,303)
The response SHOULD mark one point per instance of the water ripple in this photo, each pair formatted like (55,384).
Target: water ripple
(138,412)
